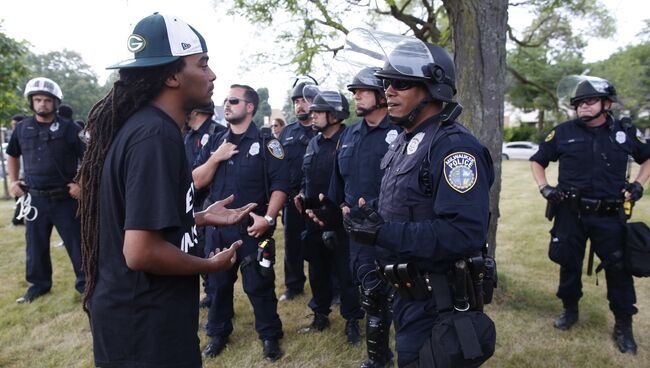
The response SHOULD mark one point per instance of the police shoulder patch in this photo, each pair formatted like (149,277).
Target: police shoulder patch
(460,171)
(550,136)
(275,147)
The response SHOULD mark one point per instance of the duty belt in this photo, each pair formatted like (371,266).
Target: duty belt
(600,206)
(50,193)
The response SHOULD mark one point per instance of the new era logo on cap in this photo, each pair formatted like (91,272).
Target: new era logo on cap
(161,39)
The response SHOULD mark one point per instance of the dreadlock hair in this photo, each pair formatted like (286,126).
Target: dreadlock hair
(135,88)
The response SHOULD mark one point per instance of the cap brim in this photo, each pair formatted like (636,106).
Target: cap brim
(144,62)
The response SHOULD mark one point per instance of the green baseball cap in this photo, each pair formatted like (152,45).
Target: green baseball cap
(161,39)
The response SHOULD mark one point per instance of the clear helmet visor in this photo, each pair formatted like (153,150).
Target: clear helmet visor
(309,92)
(567,88)
(326,101)
(405,55)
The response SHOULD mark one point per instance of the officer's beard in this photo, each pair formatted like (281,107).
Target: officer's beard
(44,114)
(408,121)
(302,117)
(365,112)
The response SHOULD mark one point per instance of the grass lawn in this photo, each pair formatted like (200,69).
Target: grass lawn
(53,331)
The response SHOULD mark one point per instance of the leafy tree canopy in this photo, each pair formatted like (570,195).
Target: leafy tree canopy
(12,72)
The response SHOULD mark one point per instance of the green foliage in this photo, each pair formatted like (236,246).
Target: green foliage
(288,111)
(551,48)
(523,132)
(264,108)
(12,73)
(78,82)
(629,71)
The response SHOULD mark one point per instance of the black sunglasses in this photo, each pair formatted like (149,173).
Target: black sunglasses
(233,100)
(399,84)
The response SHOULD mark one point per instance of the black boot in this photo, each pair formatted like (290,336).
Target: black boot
(569,316)
(623,335)
(215,347)
(352,332)
(272,350)
(319,323)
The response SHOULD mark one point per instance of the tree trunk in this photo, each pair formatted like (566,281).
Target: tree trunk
(540,120)
(479,38)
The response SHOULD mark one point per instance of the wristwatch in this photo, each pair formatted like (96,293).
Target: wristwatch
(270,220)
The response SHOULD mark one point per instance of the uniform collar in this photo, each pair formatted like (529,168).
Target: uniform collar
(336,135)
(252,132)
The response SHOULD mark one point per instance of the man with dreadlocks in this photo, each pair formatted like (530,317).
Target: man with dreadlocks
(142,288)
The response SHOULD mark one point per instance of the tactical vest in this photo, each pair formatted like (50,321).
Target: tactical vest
(49,158)
(407,185)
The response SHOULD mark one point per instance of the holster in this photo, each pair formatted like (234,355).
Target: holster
(407,281)
(551,210)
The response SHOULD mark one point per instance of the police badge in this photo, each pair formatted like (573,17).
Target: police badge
(275,148)
(460,171)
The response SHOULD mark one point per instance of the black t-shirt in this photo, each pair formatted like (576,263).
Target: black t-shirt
(137,318)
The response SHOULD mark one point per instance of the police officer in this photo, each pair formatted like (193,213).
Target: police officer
(51,152)
(327,253)
(200,128)
(592,151)
(357,175)
(294,138)
(433,201)
(242,162)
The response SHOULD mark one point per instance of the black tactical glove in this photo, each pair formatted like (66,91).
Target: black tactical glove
(552,194)
(329,214)
(363,224)
(635,189)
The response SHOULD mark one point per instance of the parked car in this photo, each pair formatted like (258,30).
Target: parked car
(519,150)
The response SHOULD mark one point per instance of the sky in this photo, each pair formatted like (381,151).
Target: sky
(98,31)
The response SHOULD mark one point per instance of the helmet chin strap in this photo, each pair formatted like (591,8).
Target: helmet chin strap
(408,120)
(327,124)
(378,105)
(586,119)
(302,117)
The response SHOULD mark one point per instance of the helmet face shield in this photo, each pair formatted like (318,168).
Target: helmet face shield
(404,58)
(574,88)
(332,102)
(309,92)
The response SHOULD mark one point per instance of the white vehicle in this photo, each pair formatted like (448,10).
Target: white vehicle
(519,150)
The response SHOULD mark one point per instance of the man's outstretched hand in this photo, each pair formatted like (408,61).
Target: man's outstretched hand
(218,215)
(224,259)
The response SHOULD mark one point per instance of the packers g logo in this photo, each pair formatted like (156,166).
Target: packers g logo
(135,43)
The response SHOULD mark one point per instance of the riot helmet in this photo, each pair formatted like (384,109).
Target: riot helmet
(299,84)
(593,87)
(298,92)
(366,79)
(573,89)
(332,102)
(418,61)
(46,86)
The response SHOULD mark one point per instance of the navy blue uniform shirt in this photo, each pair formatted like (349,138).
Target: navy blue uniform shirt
(195,139)
(294,139)
(447,221)
(243,174)
(593,160)
(356,172)
(51,151)
(318,163)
